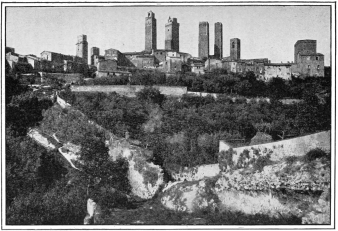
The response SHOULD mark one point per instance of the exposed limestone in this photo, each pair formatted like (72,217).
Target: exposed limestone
(190,196)
(197,173)
(144,177)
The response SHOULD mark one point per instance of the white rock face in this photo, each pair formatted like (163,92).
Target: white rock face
(189,196)
(197,173)
(34,134)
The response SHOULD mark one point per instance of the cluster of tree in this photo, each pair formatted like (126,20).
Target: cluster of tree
(219,81)
(41,187)
(186,132)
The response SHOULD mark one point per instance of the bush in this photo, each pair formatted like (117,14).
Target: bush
(315,154)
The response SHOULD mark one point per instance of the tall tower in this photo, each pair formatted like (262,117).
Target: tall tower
(150,41)
(82,48)
(235,49)
(218,46)
(203,40)
(94,51)
(305,47)
(172,35)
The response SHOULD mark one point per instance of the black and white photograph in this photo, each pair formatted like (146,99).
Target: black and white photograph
(168,115)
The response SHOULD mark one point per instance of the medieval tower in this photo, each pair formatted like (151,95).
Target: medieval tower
(82,48)
(235,49)
(172,35)
(150,39)
(305,47)
(218,46)
(203,40)
(94,51)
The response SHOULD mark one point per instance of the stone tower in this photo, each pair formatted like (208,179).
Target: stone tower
(235,49)
(150,39)
(82,48)
(94,51)
(305,47)
(218,46)
(172,35)
(203,40)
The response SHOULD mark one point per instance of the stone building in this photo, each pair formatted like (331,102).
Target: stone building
(203,40)
(218,46)
(106,68)
(82,48)
(150,32)
(34,61)
(305,47)
(196,65)
(94,51)
(172,64)
(235,49)
(307,61)
(172,35)
(309,65)
(211,64)
(275,70)
(121,59)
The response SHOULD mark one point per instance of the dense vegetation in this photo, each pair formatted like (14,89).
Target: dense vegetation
(186,132)
(42,189)
(218,81)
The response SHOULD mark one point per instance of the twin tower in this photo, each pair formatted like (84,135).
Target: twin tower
(171,34)
(203,42)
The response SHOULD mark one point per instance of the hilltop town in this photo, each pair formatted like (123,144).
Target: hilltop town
(159,137)
(170,60)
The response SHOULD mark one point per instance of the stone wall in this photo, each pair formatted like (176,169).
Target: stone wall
(291,147)
(131,90)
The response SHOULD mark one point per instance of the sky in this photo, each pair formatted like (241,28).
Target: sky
(265,31)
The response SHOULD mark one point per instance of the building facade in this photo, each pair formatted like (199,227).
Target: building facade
(172,35)
(218,46)
(82,48)
(309,65)
(150,32)
(203,40)
(307,61)
(277,70)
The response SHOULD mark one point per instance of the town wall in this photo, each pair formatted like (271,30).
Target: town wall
(131,90)
(291,147)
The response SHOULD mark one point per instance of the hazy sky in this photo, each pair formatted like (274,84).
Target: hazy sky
(264,31)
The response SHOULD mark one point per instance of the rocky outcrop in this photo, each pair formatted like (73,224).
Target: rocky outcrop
(283,189)
(190,196)
(196,173)
(144,177)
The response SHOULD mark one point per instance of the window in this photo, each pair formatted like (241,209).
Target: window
(317,58)
(318,67)
(233,44)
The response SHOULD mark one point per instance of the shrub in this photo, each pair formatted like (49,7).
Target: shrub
(315,154)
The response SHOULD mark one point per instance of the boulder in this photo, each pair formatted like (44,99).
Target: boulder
(190,197)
